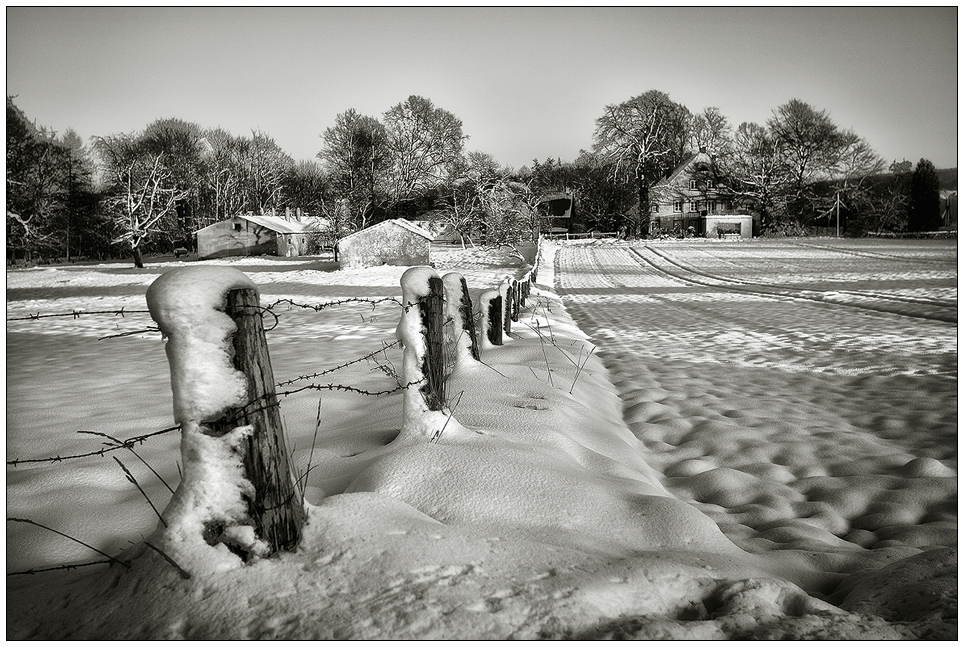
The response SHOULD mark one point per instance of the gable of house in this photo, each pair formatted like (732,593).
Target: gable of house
(688,190)
(688,199)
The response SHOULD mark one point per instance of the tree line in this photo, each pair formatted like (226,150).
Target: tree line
(150,190)
(795,170)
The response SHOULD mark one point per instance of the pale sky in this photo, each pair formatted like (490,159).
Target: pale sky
(526,83)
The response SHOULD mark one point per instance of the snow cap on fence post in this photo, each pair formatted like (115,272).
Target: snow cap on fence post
(188,306)
(420,419)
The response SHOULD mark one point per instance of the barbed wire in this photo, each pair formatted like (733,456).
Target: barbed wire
(125,444)
(363,358)
(65,567)
(328,304)
(269,309)
(349,389)
(258,403)
(131,332)
(76,314)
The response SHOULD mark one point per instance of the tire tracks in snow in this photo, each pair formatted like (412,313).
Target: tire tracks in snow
(938,309)
(782,419)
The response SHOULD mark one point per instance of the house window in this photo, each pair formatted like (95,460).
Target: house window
(694,206)
(237,226)
(654,208)
(692,184)
(712,208)
(678,206)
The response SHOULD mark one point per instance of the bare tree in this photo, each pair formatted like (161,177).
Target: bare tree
(809,142)
(642,138)
(758,170)
(424,143)
(461,208)
(854,164)
(355,156)
(143,190)
(710,132)
(266,166)
(36,183)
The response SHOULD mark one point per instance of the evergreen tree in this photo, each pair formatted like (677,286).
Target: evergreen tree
(925,199)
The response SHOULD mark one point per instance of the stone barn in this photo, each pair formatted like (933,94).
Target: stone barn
(392,242)
(250,235)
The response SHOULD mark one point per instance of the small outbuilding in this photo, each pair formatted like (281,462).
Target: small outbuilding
(729,226)
(557,208)
(392,242)
(250,235)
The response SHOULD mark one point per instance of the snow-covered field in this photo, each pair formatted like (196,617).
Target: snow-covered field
(694,439)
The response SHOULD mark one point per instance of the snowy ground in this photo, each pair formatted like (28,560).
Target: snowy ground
(757,419)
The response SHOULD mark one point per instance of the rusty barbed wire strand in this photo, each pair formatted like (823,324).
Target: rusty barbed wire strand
(99,452)
(131,332)
(328,304)
(65,567)
(363,358)
(76,314)
(349,389)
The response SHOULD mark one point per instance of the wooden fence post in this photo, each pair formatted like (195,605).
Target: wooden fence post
(458,308)
(505,291)
(490,303)
(516,299)
(276,507)
(468,320)
(433,366)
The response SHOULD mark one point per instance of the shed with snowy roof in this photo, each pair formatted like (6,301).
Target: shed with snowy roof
(392,242)
(251,235)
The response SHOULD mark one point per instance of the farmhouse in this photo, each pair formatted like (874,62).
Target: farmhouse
(392,242)
(251,235)
(691,196)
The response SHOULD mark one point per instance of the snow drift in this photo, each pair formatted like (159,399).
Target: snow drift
(537,512)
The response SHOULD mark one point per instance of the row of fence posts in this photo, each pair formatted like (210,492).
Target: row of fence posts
(276,508)
(447,301)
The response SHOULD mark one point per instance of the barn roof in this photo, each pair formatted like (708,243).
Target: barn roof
(404,224)
(275,223)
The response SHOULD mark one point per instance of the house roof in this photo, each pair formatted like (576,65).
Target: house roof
(404,224)
(679,170)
